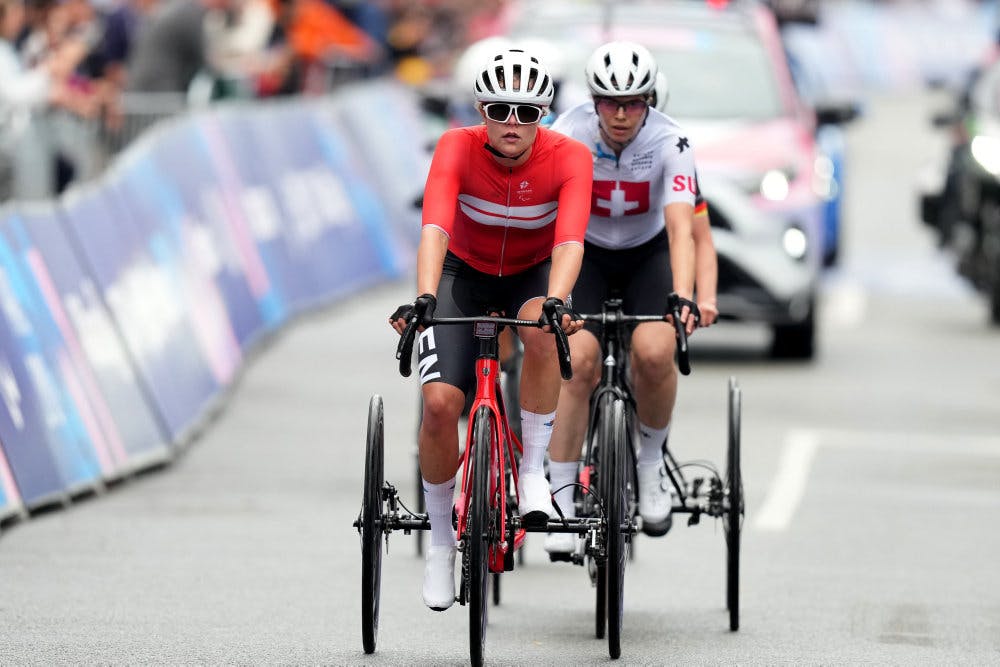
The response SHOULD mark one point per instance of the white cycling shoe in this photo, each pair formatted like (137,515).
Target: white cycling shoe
(534,499)
(561,543)
(655,499)
(439,577)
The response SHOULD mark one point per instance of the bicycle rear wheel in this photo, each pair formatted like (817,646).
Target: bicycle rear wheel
(478,533)
(371,526)
(732,518)
(616,508)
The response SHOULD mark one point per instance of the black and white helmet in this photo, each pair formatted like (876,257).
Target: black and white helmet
(617,69)
(514,76)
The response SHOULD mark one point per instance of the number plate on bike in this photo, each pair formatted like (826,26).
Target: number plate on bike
(486,329)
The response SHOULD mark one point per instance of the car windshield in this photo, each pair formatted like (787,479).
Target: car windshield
(712,74)
(730,79)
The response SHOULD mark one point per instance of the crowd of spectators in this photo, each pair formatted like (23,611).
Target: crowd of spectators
(78,78)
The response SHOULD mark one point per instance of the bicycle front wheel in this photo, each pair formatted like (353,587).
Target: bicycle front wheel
(732,518)
(601,447)
(371,526)
(478,533)
(616,504)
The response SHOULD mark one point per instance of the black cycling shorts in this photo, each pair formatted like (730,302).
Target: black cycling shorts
(448,353)
(640,276)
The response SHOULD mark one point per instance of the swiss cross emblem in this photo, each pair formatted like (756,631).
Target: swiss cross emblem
(614,199)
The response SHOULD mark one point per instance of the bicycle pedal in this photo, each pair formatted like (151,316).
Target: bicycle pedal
(560,557)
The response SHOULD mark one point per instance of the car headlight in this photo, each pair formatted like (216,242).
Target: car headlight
(986,151)
(774,185)
(795,243)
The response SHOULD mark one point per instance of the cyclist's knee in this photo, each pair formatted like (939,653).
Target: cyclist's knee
(586,374)
(538,345)
(654,360)
(443,406)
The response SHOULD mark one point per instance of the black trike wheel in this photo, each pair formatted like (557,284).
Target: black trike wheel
(732,518)
(478,534)
(371,526)
(616,504)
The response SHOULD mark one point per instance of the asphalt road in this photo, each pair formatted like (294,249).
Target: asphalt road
(872,478)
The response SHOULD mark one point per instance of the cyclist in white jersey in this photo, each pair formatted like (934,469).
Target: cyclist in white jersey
(639,242)
(706,273)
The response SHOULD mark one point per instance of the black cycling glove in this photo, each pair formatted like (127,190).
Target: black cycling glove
(422,308)
(678,302)
(553,310)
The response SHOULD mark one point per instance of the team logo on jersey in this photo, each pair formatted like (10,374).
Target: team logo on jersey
(523,191)
(682,143)
(688,183)
(613,199)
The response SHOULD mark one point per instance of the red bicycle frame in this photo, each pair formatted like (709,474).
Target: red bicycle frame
(488,395)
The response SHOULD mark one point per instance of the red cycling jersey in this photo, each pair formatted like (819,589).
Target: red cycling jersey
(502,220)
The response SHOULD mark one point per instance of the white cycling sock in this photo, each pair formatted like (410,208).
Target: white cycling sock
(439,499)
(536,431)
(564,474)
(651,443)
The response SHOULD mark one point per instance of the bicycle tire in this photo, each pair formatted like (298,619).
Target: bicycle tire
(371,525)
(421,503)
(601,474)
(732,518)
(418,485)
(478,534)
(616,508)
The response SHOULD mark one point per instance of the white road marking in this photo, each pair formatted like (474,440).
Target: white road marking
(786,491)
(801,445)
(844,305)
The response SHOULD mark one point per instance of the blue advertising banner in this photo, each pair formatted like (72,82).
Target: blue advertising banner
(10,498)
(144,199)
(121,404)
(166,316)
(389,143)
(253,215)
(85,452)
(43,437)
(200,211)
(333,223)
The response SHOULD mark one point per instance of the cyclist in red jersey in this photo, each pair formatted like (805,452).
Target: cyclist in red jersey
(506,206)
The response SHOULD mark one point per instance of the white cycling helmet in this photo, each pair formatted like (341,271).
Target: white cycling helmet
(548,54)
(514,76)
(617,69)
(661,93)
(469,65)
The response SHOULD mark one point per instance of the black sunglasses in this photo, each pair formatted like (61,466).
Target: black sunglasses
(526,114)
(612,105)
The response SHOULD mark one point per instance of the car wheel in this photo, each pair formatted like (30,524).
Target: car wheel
(995,302)
(795,341)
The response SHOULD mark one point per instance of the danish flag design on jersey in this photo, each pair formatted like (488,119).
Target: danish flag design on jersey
(524,217)
(617,198)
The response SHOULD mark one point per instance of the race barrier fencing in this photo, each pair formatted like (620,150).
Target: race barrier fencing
(129,306)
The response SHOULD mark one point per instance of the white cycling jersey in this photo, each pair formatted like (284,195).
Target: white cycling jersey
(629,193)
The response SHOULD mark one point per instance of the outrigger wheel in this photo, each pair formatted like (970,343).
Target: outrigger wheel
(732,517)
(371,526)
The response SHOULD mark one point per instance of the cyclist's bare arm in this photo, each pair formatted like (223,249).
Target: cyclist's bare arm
(430,260)
(566,261)
(706,278)
(680,222)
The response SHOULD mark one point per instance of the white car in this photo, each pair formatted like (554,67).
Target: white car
(760,277)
